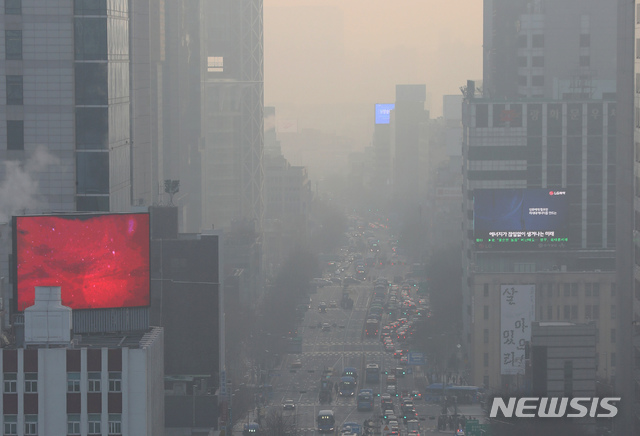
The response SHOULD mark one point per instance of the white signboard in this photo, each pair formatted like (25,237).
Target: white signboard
(517,312)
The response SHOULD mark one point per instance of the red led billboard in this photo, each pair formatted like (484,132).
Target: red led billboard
(99,261)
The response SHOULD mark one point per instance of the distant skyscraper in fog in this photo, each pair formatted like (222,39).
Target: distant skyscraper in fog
(549,48)
(409,142)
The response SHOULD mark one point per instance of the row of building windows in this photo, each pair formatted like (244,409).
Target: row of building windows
(114,424)
(535,81)
(591,311)
(537,41)
(591,289)
(612,363)
(73,382)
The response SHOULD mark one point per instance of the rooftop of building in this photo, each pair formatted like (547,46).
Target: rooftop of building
(133,340)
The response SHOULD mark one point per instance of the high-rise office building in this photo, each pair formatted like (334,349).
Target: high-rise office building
(628,215)
(539,142)
(549,49)
(232,113)
(66,91)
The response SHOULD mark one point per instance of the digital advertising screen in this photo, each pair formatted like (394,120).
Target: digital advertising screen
(520,218)
(383,112)
(99,261)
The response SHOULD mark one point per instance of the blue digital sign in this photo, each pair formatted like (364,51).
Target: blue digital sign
(383,112)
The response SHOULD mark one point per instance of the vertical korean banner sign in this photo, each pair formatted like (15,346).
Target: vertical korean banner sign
(517,312)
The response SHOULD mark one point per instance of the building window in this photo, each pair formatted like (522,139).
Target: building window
(115,382)
(91,83)
(486,359)
(613,336)
(486,336)
(537,41)
(567,289)
(10,424)
(613,359)
(613,311)
(14,90)
(587,312)
(574,311)
(73,382)
(486,312)
(215,64)
(522,80)
(15,135)
(92,172)
(596,311)
(522,41)
(94,381)
(486,289)
(522,61)
(30,382)
(585,61)
(73,424)
(92,128)
(89,7)
(585,40)
(115,423)
(94,423)
(13,44)
(30,424)
(549,312)
(574,289)
(587,289)
(10,383)
(90,36)
(596,290)
(613,289)
(537,81)
(13,7)
(537,61)
(567,311)
(485,380)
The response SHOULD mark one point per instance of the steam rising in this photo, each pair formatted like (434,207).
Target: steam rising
(19,189)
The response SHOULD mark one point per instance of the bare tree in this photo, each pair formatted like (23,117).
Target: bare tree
(277,424)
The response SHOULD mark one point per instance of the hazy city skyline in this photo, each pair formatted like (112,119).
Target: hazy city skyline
(327,62)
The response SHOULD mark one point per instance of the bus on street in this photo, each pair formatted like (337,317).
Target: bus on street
(372,373)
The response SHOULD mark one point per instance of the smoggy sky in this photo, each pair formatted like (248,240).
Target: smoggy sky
(327,62)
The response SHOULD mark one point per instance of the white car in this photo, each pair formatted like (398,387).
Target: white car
(288,405)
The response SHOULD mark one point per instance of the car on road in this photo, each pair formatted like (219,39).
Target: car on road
(297,363)
(398,354)
(389,346)
(288,405)
(326,327)
(416,395)
(333,304)
(404,360)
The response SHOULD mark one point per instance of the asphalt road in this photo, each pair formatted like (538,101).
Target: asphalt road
(342,346)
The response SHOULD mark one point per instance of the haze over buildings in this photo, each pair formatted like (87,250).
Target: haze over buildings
(327,62)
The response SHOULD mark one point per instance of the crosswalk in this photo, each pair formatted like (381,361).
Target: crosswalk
(370,354)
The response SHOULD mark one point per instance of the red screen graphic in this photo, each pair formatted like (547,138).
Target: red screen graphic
(99,261)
